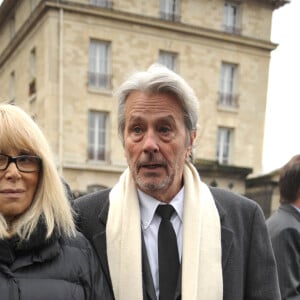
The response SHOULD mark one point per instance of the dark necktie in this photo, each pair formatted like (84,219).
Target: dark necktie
(168,258)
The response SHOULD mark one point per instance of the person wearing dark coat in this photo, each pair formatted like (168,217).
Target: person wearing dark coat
(284,228)
(248,266)
(219,242)
(42,256)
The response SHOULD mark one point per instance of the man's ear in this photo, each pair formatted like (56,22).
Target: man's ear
(193,136)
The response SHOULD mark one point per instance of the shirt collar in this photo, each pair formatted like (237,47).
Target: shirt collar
(296,207)
(149,204)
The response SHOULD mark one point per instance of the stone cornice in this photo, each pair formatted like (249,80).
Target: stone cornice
(212,166)
(126,18)
(151,22)
(278,3)
(273,3)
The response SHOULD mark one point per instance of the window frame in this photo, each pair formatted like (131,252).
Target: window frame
(228,96)
(231,17)
(12,26)
(102,3)
(168,59)
(170,10)
(99,75)
(224,145)
(97,147)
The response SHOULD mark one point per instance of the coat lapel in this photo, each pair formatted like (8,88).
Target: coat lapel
(226,236)
(291,210)
(148,286)
(99,241)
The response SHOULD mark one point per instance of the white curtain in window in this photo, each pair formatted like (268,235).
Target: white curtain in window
(97,135)
(167,59)
(230,15)
(227,79)
(98,57)
(169,6)
(223,148)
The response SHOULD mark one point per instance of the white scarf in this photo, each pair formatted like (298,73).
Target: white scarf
(201,261)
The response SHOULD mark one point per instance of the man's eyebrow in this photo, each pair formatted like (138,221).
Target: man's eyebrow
(167,118)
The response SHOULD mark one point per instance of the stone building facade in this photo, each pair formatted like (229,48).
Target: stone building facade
(62,61)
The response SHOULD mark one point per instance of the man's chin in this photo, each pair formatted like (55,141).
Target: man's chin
(149,186)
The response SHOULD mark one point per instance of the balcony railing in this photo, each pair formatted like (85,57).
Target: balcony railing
(232,29)
(228,100)
(169,16)
(102,3)
(101,81)
(96,155)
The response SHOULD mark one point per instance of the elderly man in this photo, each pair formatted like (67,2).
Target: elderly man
(160,232)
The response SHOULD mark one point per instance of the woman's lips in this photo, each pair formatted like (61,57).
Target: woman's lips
(13,193)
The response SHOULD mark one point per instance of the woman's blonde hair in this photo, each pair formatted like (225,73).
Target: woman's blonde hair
(19,132)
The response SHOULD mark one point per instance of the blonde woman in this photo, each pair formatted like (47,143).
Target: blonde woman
(42,256)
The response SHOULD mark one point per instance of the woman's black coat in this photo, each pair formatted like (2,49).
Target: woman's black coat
(54,269)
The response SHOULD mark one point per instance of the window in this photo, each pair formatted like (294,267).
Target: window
(102,3)
(231,15)
(33,4)
(227,94)
(168,59)
(224,144)
(97,135)
(32,70)
(169,10)
(12,87)
(99,56)
(12,26)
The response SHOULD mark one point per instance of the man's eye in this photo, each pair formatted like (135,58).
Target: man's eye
(137,129)
(164,129)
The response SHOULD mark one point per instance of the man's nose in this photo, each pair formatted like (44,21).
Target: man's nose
(150,142)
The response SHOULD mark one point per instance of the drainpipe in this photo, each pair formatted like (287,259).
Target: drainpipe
(60,93)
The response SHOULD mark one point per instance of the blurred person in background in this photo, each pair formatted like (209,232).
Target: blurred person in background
(42,256)
(284,228)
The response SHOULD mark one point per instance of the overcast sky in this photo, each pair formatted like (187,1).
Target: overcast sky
(283,108)
(282,131)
